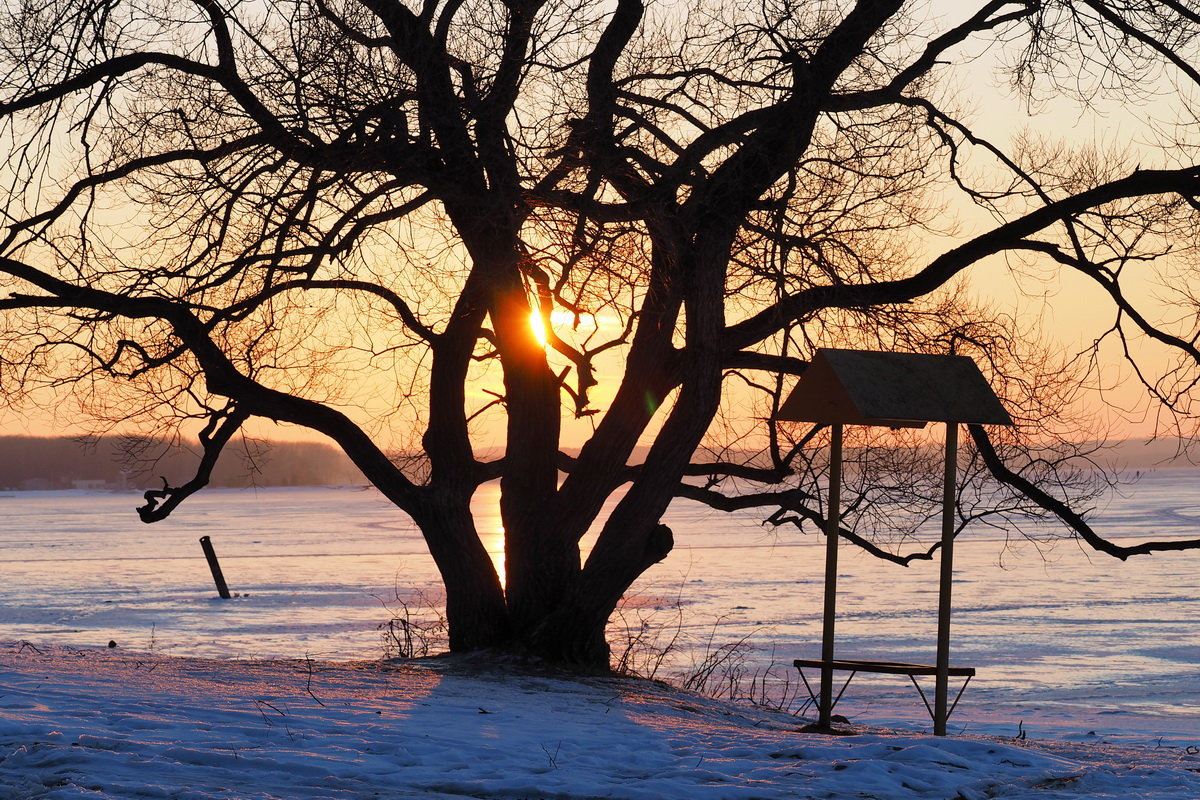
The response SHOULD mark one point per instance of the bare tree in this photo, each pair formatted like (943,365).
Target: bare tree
(341,215)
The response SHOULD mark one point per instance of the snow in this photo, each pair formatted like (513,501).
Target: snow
(106,723)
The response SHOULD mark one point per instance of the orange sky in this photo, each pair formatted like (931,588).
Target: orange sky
(1064,308)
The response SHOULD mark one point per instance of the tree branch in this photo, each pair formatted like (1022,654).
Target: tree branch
(1058,508)
(223,377)
(221,427)
(791,500)
(798,306)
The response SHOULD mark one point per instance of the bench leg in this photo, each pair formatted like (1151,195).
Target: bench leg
(925,700)
(921,692)
(843,691)
(812,696)
(958,697)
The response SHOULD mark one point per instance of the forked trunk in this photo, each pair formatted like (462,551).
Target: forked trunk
(574,632)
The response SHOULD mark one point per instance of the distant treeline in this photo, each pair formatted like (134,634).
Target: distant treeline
(127,462)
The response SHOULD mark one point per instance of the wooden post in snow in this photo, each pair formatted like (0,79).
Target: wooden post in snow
(941,690)
(833,521)
(218,577)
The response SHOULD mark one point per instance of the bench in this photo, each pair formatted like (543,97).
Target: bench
(857,665)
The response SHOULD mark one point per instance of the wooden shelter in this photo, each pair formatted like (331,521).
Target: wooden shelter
(863,387)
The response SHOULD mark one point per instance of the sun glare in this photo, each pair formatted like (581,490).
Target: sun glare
(539,327)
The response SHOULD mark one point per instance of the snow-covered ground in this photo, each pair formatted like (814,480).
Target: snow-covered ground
(113,725)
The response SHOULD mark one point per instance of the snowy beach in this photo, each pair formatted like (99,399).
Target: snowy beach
(98,723)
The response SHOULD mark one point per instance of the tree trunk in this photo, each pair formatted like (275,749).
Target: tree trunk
(475,607)
(574,632)
(540,561)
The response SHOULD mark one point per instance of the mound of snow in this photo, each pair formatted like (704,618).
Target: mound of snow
(110,724)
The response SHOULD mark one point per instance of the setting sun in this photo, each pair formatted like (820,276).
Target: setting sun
(538,327)
(583,324)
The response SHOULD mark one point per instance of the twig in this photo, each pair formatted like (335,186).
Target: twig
(308,684)
(552,756)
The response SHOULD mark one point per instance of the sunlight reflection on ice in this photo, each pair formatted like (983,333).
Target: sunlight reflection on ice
(485,505)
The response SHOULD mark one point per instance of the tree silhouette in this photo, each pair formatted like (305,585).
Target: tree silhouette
(341,214)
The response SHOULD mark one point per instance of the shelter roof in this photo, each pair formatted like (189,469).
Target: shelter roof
(866,387)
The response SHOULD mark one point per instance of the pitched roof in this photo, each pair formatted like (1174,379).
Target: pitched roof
(865,387)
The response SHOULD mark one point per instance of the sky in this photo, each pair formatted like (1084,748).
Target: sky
(1060,307)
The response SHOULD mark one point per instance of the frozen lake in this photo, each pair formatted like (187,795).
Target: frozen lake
(1066,642)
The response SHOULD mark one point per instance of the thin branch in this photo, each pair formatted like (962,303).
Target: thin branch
(797,306)
(1045,500)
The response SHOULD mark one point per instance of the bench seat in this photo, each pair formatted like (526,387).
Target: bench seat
(857,665)
(888,667)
